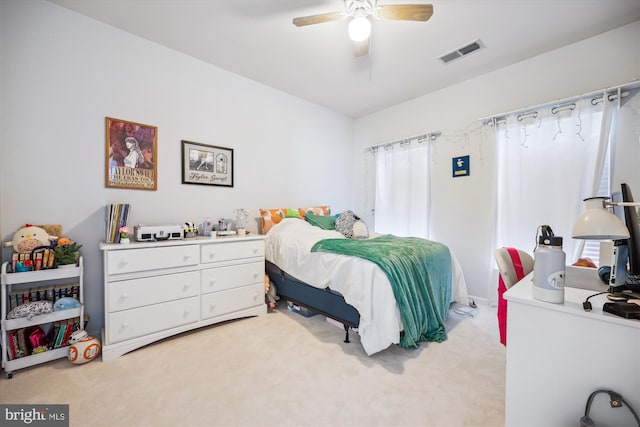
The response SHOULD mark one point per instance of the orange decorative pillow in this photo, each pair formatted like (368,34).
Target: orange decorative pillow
(270,217)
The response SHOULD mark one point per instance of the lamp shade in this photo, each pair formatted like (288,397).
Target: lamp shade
(359,29)
(597,223)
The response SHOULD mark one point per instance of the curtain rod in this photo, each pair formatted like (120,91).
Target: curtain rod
(429,136)
(627,86)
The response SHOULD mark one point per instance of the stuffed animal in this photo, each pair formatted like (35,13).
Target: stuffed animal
(82,347)
(30,310)
(66,303)
(30,237)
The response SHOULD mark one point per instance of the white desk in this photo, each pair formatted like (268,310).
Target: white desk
(557,354)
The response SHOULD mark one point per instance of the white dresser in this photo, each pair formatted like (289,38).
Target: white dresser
(153,290)
(558,354)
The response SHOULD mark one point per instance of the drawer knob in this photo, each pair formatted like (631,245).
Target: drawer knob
(212,282)
(123,263)
(255,274)
(212,307)
(187,310)
(212,255)
(125,295)
(125,325)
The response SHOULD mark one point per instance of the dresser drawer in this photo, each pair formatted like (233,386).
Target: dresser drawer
(152,290)
(230,300)
(232,250)
(132,260)
(129,324)
(233,276)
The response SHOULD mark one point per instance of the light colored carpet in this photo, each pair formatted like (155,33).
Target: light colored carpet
(281,369)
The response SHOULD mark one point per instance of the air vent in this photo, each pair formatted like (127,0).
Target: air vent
(460,52)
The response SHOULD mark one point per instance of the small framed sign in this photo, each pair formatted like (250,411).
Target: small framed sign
(206,164)
(461,166)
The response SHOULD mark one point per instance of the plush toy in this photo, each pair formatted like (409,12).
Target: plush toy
(82,347)
(30,310)
(66,303)
(30,237)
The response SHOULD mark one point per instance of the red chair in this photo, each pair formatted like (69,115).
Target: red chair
(513,265)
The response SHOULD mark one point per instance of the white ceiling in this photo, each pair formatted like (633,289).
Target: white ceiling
(256,39)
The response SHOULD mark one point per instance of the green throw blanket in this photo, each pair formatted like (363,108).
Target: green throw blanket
(420,274)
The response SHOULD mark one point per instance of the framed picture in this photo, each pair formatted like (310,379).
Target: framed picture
(206,164)
(132,155)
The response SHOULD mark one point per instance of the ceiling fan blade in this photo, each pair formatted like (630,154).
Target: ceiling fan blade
(406,12)
(318,19)
(361,48)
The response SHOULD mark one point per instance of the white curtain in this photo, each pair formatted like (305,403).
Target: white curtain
(403,189)
(546,166)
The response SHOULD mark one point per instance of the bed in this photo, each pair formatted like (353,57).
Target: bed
(350,289)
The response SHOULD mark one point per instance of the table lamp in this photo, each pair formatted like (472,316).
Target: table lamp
(598,223)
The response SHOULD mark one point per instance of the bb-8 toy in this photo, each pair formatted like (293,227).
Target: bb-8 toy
(82,348)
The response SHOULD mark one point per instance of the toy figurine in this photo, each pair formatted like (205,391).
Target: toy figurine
(270,296)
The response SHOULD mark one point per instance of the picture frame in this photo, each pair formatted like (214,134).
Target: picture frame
(204,164)
(131,155)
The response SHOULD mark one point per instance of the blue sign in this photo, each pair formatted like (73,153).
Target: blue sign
(461,166)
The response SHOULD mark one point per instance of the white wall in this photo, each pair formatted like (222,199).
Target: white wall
(63,73)
(463,209)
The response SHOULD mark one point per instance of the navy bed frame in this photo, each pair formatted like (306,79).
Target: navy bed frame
(324,301)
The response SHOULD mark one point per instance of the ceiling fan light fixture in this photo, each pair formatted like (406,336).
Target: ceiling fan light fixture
(359,29)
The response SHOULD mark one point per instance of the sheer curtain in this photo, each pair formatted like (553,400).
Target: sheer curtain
(403,189)
(548,162)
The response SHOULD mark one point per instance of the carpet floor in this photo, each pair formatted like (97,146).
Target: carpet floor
(282,369)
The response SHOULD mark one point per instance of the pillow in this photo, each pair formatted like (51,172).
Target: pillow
(325,222)
(319,210)
(30,309)
(292,213)
(271,217)
(351,226)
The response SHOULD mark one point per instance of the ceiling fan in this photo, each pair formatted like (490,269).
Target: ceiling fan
(360,26)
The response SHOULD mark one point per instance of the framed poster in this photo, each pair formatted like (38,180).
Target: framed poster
(132,155)
(206,164)
(461,166)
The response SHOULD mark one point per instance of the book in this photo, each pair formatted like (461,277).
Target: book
(117,216)
(52,258)
(38,261)
(60,336)
(13,300)
(52,335)
(23,346)
(13,344)
(67,333)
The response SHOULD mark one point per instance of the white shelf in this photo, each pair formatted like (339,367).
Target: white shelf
(23,322)
(22,281)
(41,275)
(35,359)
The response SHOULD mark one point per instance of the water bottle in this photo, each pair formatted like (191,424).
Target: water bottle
(207,227)
(548,268)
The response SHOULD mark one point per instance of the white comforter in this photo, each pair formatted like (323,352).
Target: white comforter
(362,283)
